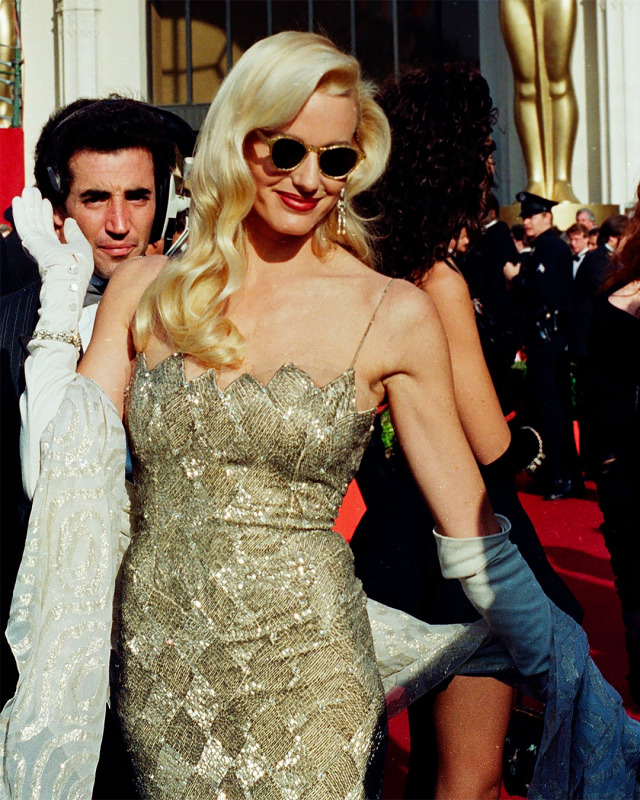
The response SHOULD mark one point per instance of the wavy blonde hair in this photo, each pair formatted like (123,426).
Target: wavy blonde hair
(265,90)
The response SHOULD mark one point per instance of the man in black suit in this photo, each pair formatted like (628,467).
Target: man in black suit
(578,237)
(541,289)
(498,322)
(107,164)
(592,274)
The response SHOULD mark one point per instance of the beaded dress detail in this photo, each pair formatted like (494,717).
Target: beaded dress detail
(247,663)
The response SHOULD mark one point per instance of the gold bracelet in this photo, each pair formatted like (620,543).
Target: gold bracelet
(57,336)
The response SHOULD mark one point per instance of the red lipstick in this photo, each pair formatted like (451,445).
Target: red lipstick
(298,203)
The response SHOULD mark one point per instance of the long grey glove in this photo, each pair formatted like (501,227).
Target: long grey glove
(65,270)
(501,586)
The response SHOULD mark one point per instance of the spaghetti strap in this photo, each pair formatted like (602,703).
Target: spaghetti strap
(373,316)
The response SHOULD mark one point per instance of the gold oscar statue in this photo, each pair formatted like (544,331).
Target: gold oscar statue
(539,37)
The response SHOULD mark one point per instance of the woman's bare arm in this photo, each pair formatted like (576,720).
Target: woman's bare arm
(475,547)
(420,392)
(476,399)
(110,355)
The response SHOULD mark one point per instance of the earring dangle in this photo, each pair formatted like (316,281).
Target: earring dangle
(342,214)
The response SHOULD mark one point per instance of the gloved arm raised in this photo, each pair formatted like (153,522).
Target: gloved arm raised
(66,270)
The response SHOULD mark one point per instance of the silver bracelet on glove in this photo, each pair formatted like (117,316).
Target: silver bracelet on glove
(59,336)
(537,461)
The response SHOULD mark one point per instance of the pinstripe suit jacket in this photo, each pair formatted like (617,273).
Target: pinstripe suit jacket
(18,318)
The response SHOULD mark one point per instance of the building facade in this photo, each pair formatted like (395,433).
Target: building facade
(175,52)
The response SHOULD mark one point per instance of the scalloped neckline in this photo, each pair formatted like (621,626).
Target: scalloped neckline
(211,374)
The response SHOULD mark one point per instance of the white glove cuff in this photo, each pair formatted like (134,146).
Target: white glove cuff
(61,299)
(462,558)
(502,588)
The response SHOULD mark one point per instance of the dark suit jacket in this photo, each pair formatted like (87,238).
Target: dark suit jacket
(483,268)
(17,270)
(18,317)
(592,273)
(498,323)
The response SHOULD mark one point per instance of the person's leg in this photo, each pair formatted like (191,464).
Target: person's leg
(570,460)
(618,482)
(423,753)
(544,406)
(548,378)
(471,717)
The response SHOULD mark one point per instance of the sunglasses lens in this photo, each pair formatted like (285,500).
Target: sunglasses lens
(287,153)
(338,161)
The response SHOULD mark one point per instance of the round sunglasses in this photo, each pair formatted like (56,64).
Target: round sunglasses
(335,161)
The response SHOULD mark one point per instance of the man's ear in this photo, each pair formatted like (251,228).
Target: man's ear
(59,217)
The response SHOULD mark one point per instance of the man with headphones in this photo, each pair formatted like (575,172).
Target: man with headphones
(108,164)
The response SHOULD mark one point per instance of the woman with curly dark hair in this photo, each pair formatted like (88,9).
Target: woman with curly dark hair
(437,182)
(438,177)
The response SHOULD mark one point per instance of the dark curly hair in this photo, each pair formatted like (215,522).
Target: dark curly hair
(103,125)
(615,225)
(438,178)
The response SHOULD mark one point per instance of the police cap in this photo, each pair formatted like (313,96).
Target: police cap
(531,204)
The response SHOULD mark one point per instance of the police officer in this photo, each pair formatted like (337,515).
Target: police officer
(541,288)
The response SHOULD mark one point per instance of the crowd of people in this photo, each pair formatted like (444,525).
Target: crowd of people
(577,369)
(179,433)
(534,293)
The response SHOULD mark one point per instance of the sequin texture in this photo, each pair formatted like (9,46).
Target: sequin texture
(248,668)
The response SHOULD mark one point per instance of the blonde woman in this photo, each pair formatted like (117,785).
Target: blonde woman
(248,372)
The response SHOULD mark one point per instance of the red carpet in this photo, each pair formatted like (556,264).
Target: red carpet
(569,532)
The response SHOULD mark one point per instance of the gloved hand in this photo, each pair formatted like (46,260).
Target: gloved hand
(501,587)
(66,270)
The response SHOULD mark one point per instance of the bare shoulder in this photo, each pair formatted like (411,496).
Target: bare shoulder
(627,298)
(128,282)
(409,337)
(408,318)
(445,285)
(135,275)
(408,304)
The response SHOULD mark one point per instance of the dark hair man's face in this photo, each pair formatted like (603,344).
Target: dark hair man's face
(578,242)
(113,200)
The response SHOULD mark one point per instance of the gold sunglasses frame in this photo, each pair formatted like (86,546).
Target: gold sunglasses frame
(271,140)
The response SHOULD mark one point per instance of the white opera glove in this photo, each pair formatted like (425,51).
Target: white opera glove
(66,270)
(502,587)
(33,217)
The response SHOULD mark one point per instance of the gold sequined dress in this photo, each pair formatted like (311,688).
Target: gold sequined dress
(247,664)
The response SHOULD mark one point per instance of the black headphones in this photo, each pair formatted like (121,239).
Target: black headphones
(184,139)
